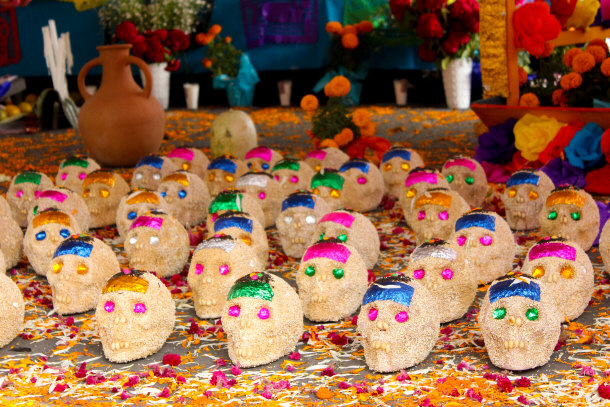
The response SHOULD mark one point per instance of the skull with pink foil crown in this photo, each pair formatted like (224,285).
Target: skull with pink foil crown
(467,177)
(262,158)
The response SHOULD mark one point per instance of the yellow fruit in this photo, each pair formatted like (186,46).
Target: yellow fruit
(25,107)
(12,110)
(31,98)
(3,114)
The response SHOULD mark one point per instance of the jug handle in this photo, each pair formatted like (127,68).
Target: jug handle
(83,73)
(145,69)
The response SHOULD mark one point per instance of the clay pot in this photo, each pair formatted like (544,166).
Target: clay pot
(120,123)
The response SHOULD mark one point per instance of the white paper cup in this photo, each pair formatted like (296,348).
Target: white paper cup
(191,93)
(400,91)
(285,89)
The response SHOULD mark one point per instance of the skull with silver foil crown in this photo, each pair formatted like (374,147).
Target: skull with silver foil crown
(186,196)
(242,226)
(136,204)
(418,181)
(150,170)
(363,189)
(524,197)
(102,192)
(223,173)
(328,185)
(65,200)
(262,186)
(328,157)
(262,158)
(234,200)
(395,166)
(190,159)
(292,175)
(467,177)
(73,171)
(22,191)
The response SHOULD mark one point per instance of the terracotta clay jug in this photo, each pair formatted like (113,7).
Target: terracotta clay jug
(120,123)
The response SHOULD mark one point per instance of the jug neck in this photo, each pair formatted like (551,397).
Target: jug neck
(116,69)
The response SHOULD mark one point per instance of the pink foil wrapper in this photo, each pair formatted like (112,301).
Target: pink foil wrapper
(462,162)
(54,195)
(341,218)
(553,249)
(319,154)
(260,152)
(333,251)
(417,177)
(182,153)
(147,221)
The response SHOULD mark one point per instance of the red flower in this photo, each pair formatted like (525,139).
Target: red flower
(534,25)
(398,8)
(426,53)
(172,359)
(430,5)
(358,148)
(604,391)
(454,41)
(155,50)
(563,9)
(125,31)
(561,141)
(178,41)
(160,34)
(428,27)
(139,46)
(173,65)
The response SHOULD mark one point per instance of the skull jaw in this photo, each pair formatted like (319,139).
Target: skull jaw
(76,300)
(533,354)
(119,350)
(205,311)
(246,351)
(329,308)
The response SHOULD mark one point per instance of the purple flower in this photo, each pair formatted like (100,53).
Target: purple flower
(562,172)
(604,215)
(498,144)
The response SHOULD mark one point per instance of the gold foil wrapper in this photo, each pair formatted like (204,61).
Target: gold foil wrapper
(51,217)
(492,32)
(144,197)
(566,198)
(101,177)
(434,198)
(126,283)
(177,177)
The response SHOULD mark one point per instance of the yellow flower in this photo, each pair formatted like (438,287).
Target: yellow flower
(529,100)
(583,62)
(533,134)
(584,14)
(309,103)
(338,86)
(361,117)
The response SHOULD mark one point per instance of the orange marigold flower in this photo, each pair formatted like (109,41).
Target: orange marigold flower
(571,81)
(548,49)
(215,29)
(349,41)
(569,56)
(365,26)
(349,29)
(345,137)
(228,40)
(309,103)
(605,67)
(599,53)
(334,27)
(361,117)
(338,86)
(583,62)
(328,143)
(207,62)
(601,43)
(522,76)
(203,39)
(529,100)
(368,130)
(560,98)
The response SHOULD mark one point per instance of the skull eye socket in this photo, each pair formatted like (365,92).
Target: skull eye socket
(264,313)
(246,239)
(182,194)
(211,176)
(19,193)
(186,166)
(154,240)
(421,215)
(567,272)
(224,269)
(63,176)
(294,179)
(109,306)
(401,317)
(138,175)
(310,271)
(82,269)
(405,166)
(362,180)
(576,216)
(419,274)
(486,240)
(104,193)
(316,191)
(139,308)
(42,235)
(249,165)
(461,240)
(342,237)
(262,195)
(512,192)
(288,219)
(444,215)
(132,215)
(499,313)
(449,178)
(156,176)
(532,314)
(552,215)
(229,178)
(163,193)
(338,273)
(133,240)
(533,195)
(373,314)
(310,220)
(57,267)
(265,166)
(411,193)
(234,310)
(447,274)
(321,236)
(198,268)
(469,180)
(82,176)
(277,177)
(86,192)
(317,168)
(538,272)
(65,233)
(335,193)
(387,167)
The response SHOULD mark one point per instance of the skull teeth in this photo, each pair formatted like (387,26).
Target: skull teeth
(317,298)
(207,302)
(62,299)
(118,345)
(244,353)
(381,346)
(119,319)
(514,344)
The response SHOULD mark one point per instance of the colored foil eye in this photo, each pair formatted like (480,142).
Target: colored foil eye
(342,237)
(163,194)
(321,236)
(229,178)
(131,215)
(262,195)
(263,313)
(246,240)
(86,193)
(42,235)
(419,274)
(294,179)
(19,193)
(288,219)
(198,268)
(499,313)
(486,240)
(401,317)
(156,176)
(538,271)
(449,178)
(186,166)
(63,176)
(335,193)
(317,168)
(469,180)
(211,177)
(224,269)
(373,314)
(65,233)
(265,166)
(277,177)
(139,175)
(82,176)
(576,216)
(154,240)
(310,271)
(461,240)
(133,240)
(421,215)
(182,194)
(387,167)
(139,308)
(109,306)
(444,215)
(310,220)
(405,166)
(362,180)
(82,269)
(567,272)
(532,314)
(104,193)
(447,274)
(411,193)
(512,193)
(338,273)
(57,267)
(316,191)
(552,215)
(35,210)
(249,165)
(533,195)
(234,310)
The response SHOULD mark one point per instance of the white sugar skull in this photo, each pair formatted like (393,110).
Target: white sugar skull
(44,233)
(65,200)
(418,181)
(524,197)
(11,241)
(352,228)
(190,159)
(604,245)
(520,323)
(328,185)
(399,323)
(328,157)
(261,185)
(223,173)
(363,189)
(467,177)
(567,272)
(263,319)
(297,222)
(80,267)
(234,200)
(12,308)
(243,226)
(487,244)
(439,266)
(232,132)
(135,204)
(157,242)
(262,158)
(73,171)
(5,208)
(216,264)
(102,191)
(187,197)
(150,170)
(23,190)
(570,213)
(436,212)
(395,166)
(292,175)
(135,315)
(332,279)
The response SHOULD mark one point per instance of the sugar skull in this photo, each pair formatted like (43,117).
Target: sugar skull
(5,208)
(232,132)
(399,323)
(223,173)
(262,158)
(135,315)
(467,177)
(487,244)
(263,319)
(22,191)
(80,267)
(242,226)
(328,185)
(520,323)
(150,170)
(418,181)
(186,196)
(190,159)
(65,200)
(329,157)
(363,189)
(570,213)
(352,228)
(395,166)
(44,233)
(234,200)
(524,197)
(297,222)
(332,279)
(73,171)
(604,245)
(135,204)
(157,242)
(261,185)
(12,308)
(292,175)
(439,266)
(567,272)
(11,241)
(437,211)
(102,191)
(216,264)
